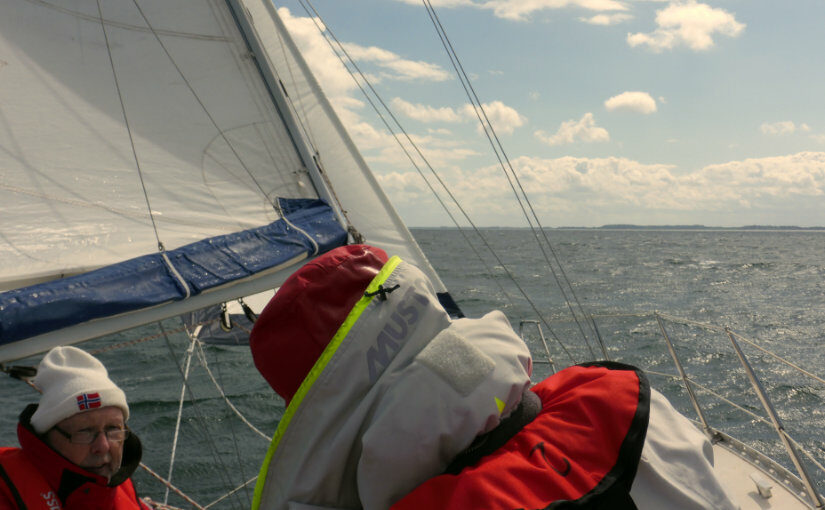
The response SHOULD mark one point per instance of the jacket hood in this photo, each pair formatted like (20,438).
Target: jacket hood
(301,319)
(60,472)
(397,393)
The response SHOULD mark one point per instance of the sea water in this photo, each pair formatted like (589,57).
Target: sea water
(766,285)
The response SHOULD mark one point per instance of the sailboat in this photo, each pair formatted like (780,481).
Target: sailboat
(163,159)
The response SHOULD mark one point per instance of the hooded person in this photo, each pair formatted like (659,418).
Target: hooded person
(393,404)
(75,450)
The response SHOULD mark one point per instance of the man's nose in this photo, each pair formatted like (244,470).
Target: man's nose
(101,443)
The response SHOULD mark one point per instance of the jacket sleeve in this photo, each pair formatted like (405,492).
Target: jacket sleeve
(5,503)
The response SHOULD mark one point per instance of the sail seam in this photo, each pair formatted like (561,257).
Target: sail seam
(198,99)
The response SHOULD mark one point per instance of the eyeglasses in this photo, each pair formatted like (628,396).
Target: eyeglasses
(89,437)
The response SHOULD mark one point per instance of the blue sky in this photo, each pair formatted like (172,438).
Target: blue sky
(610,111)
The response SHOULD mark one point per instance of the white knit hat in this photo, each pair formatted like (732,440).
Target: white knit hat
(73,381)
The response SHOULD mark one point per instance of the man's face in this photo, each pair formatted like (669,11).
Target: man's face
(102,456)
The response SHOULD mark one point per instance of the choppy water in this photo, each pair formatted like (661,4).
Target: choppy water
(768,286)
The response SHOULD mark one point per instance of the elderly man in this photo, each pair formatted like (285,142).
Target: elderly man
(76,452)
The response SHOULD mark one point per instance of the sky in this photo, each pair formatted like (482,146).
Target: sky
(609,111)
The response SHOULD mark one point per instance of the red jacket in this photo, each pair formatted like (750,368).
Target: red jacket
(36,477)
(580,451)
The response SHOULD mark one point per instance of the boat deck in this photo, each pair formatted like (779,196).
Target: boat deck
(739,467)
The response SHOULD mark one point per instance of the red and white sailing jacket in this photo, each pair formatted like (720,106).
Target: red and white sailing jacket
(35,477)
(395,392)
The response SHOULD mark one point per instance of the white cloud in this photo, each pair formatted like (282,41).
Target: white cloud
(755,183)
(396,67)
(580,191)
(584,129)
(442,152)
(689,23)
(377,145)
(818,138)
(521,10)
(324,63)
(444,3)
(785,127)
(328,69)
(640,102)
(425,113)
(504,119)
(606,19)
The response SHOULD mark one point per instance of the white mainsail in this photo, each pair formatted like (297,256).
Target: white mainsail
(128,124)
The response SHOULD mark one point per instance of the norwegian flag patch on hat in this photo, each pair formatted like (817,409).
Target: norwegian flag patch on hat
(88,401)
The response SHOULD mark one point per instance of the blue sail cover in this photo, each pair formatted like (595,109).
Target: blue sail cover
(148,280)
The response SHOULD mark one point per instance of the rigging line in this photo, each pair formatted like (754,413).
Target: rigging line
(301,231)
(169,485)
(202,357)
(486,124)
(476,104)
(369,99)
(432,170)
(200,102)
(175,436)
(427,163)
(378,112)
(233,491)
(195,407)
(307,128)
(305,125)
(128,126)
(451,52)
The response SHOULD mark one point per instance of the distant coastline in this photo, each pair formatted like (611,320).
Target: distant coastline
(652,227)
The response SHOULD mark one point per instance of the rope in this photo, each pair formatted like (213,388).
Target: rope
(130,343)
(169,485)
(176,274)
(189,353)
(300,230)
(234,409)
(233,491)
(128,127)
(497,146)
(454,200)
(212,448)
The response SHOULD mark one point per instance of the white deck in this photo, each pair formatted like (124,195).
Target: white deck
(735,470)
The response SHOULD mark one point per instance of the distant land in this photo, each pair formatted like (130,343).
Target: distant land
(703,227)
(651,227)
